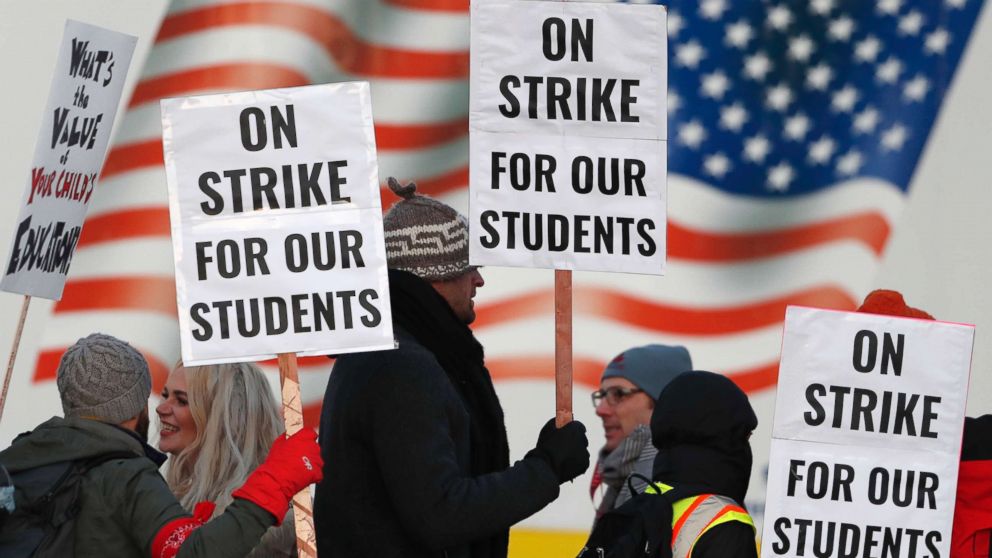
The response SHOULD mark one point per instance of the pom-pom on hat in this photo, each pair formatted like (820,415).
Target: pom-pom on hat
(424,236)
(101,377)
(890,303)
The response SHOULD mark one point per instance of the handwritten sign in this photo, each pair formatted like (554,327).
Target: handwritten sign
(82,103)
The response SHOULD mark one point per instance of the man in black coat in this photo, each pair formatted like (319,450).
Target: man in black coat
(415,448)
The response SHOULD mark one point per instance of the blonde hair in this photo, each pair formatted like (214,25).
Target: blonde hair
(237,419)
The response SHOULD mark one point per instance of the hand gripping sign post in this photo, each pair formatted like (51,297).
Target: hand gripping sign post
(568,129)
(277,232)
(867,436)
(79,115)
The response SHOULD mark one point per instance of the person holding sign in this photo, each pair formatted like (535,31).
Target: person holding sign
(217,423)
(125,508)
(416,454)
(972,529)
(627,391)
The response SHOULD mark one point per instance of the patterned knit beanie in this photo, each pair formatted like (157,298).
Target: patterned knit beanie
(424,236)
(104,378)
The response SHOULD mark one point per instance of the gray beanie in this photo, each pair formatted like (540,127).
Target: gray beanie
(424,236)
(650,367)
(102,377)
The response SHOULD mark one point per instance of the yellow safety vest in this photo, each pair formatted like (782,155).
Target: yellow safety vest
(692,517)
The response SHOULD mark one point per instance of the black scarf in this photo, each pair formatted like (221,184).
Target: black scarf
(422,312)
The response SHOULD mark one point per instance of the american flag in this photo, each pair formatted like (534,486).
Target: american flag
(795,128)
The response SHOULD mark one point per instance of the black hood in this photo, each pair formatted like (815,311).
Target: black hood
(701,424)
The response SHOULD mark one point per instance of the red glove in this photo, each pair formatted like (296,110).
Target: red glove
(174,533)
(293,464)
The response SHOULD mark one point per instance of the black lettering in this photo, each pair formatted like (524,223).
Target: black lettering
(351,246)
(892,352)
(553,34)
(297,259)
(283,127)
(263,182)
(781,546)
(627,99)
(860,364)
(218,201)
(818,415)
(512,108)
(243,318)
(196,313)
(490,238)
(337,181)
(374,317)
(299,312)
(222,307)
(253,119)
(276,315)
(346,297)
(648,247)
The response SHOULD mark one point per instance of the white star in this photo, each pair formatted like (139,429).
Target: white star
(690,54)
(866,121)
(738,34)
(757,66)
(894,138)
(692,135)
(796,127)
(779,97)
(911,23)
(819,76)
(916,89)
(822,150)
(674,102)
(841,29)
(822,7)
(801,48)
(675,24)
(780,176)
(868,49)
(890,7)
(756,149)
(937,41)
(845,99)
(779,17)
(712,9)
(889,71)
(956,3)
(717,165)
(733,117)
(715,85)
(850,163)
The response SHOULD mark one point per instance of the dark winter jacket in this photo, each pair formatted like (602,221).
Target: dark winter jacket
(415,459)
(973,509)
(125,502)
(701,424)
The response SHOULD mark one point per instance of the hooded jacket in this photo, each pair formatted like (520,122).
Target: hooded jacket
(700,425)
(125,502)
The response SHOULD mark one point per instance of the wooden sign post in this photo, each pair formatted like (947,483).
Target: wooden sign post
(567,184)
(13,353)
(563,347)
(292,415)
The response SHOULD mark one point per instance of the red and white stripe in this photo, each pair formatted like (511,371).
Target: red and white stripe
(734,264)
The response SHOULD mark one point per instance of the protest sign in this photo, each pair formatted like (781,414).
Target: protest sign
(82,103)
(867,435)
(276,223)
(568,125)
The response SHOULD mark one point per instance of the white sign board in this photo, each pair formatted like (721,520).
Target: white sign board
(867,436)
(568,129)
(276,223)
(75,130)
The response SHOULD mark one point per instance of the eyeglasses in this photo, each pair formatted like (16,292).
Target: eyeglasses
(613,395)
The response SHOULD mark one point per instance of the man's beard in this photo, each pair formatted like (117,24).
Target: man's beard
(142,426)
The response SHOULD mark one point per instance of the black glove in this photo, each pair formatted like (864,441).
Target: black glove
(566,449)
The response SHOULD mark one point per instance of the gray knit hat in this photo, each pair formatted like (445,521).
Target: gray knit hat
(424,236)
(650,367)
(102,377)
